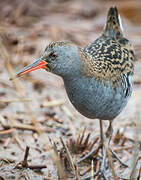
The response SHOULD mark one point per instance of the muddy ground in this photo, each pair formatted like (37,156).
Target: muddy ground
(35,111)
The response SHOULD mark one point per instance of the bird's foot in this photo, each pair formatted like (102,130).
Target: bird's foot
(93,152)
(104,164)
(118,158)
(90,155)
(107,162)
(109,133)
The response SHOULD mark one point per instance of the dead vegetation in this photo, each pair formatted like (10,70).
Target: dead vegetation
(41,134)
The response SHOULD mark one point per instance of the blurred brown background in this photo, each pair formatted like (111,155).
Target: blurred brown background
(26,107)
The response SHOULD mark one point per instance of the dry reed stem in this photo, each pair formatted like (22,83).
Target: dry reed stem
(19,142)
(68,155)
(7,141)
(9,131)
(57,162)
(68,112)
(77,173)
(136,146)
(14,100)
(123,148)
(53,103)
(78,140)
(28,127)
(82,136)
(139,175)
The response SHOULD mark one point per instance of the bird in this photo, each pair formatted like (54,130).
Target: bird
(99,77)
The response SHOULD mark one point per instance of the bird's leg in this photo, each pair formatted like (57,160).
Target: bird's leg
(104,153)
(101,132)
(104,144)
(109,133)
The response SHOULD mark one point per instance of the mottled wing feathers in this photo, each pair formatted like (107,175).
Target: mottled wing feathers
(109,57)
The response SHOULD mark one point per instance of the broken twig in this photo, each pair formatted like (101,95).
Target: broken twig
(24,163)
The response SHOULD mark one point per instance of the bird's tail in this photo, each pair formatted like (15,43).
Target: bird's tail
(113,27)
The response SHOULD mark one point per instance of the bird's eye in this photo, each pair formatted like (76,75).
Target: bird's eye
(54,55)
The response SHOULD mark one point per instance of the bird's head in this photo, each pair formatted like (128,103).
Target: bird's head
(61,58)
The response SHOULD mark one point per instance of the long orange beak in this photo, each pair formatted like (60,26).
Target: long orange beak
(31,67)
